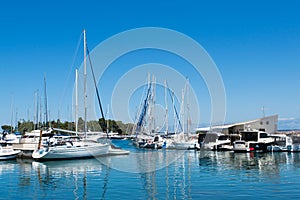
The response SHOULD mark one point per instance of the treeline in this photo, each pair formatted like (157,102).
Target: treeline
(94,125)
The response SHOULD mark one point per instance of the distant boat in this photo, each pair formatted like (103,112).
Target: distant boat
(257,140)
(281,143)
(216,141)
(240,146)
(8,152)
(10,138)
(29,142)
(253,140)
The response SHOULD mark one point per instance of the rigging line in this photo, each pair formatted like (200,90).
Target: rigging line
(70,71)
(95,84)
(170,92)
(143,97)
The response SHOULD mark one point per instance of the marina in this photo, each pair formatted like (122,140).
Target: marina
(192,175)
(150,100)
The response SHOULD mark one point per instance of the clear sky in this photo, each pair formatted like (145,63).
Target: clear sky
(255,45)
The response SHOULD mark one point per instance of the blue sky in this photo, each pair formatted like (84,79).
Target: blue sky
(255,45)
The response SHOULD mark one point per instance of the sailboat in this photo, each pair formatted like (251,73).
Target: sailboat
(69,147)
(146,136)
(184,141)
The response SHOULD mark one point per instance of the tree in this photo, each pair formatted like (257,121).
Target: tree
(80,124)
(25,126)
(102,124)
(7,128)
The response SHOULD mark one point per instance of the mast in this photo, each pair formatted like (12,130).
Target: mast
(166,103)
(188,107)
(36,110)
(16,121)
(182,108)
(41,114)
(85,97)
(12,116)
(76,101)
(46,108)
(174,112)
(152,106)
(107,122)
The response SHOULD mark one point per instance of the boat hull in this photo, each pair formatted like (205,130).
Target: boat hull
(185,145)
(60,153)
(9,155)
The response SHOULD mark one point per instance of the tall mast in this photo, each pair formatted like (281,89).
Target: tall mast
(46,108)
(76,101)
(182,108)
(153,103)
(174,112)
(149,106)
(12,115)
(107,122)
(188,107)
(166,103)
(41,114)
(85,97)
(36,107)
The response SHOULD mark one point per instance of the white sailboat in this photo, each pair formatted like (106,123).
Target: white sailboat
(185,141)
(145,131)
(68,147)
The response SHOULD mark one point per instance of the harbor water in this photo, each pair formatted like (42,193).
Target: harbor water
(189,175)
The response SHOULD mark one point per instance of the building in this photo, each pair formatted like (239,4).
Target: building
(267,124)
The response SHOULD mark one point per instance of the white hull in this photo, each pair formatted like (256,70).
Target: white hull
(65,152)
(276,148)
(113,151)
(240,146)
(184,145)
(8,154)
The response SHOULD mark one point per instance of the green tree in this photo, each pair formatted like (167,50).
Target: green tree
(7,128)
(102,124)
(25,126)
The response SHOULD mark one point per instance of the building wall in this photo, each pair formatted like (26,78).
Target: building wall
(269,124)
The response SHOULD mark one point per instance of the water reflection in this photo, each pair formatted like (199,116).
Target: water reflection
(56,177)
(250,166)
(187,177)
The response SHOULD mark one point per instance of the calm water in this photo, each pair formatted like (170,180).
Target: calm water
(191,176)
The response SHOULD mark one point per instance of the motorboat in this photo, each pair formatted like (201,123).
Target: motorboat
(216,141)
(256,140)
(29,142)
(8,152)
(281,143)
(240,146)
(149,142)
(295,144)
(10,138)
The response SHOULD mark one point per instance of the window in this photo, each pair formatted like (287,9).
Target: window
(264,135)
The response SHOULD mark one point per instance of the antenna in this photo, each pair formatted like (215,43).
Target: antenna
(263,112)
